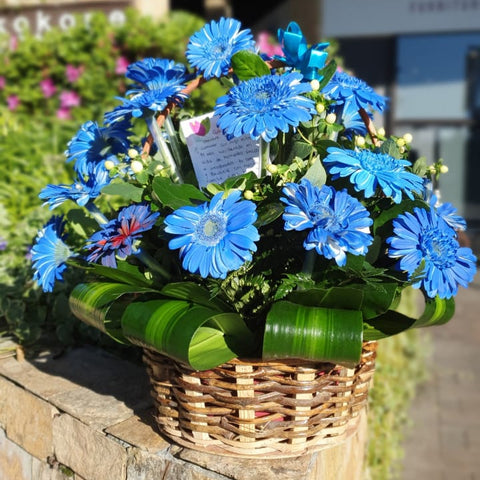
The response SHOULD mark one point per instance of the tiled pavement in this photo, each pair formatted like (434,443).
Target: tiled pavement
(444,441)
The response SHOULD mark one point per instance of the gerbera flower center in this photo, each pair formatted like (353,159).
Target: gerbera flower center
(377,163)
(439,248)
(61,252)
(220,49)
(324,217)
(211,228)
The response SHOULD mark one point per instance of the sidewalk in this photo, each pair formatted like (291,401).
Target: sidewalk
(443,442)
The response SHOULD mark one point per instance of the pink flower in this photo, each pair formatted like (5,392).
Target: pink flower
(3,82)
(198,128)
(267,46)
(48,87)
(121,65)
(73,73)
(13,43)
(63,113)
(13,102)
(69,98)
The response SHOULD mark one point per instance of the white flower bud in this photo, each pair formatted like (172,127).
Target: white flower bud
(248,194)
(443,169)
(400,142)
(408,137)
(331,118)
(137,166)
(359,141)
(109,164)
(381,131)
(320,107)
(132,153)
(272,168)
(315,84)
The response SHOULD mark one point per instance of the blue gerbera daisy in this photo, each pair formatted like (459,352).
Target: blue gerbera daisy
(368,170)
(347,89)
(263,106)
(214,238)
(424,237)
(50,253)
(157,83)
(155,73)
(449,213)
(84,189)
(338,223)
(210,50)
(94,144)
(145,104)
(117,237)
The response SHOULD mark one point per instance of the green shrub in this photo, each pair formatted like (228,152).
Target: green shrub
(33,141)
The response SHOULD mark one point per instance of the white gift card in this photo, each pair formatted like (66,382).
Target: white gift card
(215,158)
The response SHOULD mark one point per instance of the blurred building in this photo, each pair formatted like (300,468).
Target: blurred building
(423,54)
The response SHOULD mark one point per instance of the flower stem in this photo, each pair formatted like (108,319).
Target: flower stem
(174,143)
(152,264)
(370,126)
(163,147)
(309,262)
(264,152)
(96,213)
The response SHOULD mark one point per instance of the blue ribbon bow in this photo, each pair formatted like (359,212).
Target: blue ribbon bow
(298,55)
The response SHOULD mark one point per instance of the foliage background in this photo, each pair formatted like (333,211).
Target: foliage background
(32,142)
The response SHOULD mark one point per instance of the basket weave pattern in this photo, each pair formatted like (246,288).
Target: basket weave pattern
(274,409)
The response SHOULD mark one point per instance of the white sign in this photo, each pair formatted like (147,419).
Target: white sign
(215,158)
(37,22)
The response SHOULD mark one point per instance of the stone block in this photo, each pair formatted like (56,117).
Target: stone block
(140,431)
(34,379)
(15,463)
(27,419)
(94,409)
(91,454)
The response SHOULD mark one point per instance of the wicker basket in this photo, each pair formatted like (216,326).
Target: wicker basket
(267,409)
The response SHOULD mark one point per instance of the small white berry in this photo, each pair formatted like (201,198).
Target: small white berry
(137,166)
(331,118)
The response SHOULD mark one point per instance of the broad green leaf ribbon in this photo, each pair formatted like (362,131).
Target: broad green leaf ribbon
(313,333)
(437,311)
(193,334)
(93,303)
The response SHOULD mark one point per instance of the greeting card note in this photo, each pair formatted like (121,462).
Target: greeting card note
(215,158)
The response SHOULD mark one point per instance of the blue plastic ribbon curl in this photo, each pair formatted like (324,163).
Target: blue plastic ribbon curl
(297,54)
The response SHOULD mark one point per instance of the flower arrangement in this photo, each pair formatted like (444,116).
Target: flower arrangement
(281,225)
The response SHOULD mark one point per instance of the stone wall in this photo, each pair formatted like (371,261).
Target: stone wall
(86,415)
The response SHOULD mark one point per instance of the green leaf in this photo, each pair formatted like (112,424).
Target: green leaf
(390,147)
(313,333)
(327,73)
(124,273)
(247,65)
(390,214)
(92,303)
(195,293)
(300,149)
(316,174)
(378,298)
(176,195)
(334,297)
(195,335)
(126,190)
(268,213)
(437,312)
